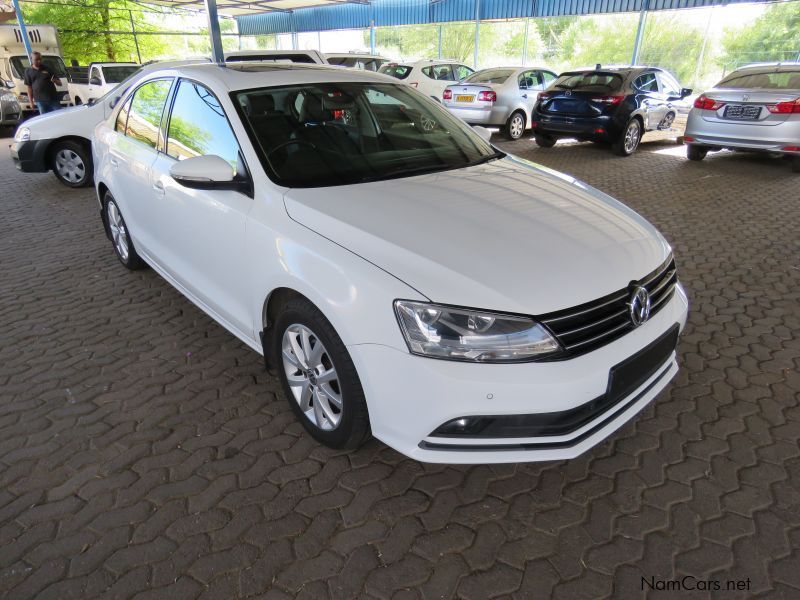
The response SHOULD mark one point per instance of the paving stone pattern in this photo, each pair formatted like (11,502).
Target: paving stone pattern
(145,453)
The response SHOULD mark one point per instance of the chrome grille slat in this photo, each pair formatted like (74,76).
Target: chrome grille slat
(594,324)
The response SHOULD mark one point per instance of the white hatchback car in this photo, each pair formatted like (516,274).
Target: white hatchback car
(429,76)
(402,276)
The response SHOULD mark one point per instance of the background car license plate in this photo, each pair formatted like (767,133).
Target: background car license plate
(742,112)
(463,98)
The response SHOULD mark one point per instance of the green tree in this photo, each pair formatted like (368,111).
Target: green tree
(773,36)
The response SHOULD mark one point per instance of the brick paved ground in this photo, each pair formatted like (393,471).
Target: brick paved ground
(144,451)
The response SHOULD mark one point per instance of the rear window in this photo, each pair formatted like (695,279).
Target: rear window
(396,71)
(296,57)
(592,81)
(490,76)
(768,80)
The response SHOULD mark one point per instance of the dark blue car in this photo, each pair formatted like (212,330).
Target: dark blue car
(612,105)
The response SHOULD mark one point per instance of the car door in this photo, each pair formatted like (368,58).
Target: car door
(676,105)
(650,99)
(203,231)
(529,85)
(132,152)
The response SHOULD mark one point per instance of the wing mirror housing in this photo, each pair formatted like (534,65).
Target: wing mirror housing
(208,172)
(484,133)
(686,92)
(91,101)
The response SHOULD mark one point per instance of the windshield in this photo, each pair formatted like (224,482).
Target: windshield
(54,63)
(396,71)
(592,81)
(365,63)
(490,76)
(117,74)
(317,135)
(766,80)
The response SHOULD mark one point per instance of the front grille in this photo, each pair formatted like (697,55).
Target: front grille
(589,326)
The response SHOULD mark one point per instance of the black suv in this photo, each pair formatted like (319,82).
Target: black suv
(615,105)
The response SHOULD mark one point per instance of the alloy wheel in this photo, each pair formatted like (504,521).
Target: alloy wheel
(119,233)
(632,136)
(666,123)
(516,126)
(312,377)
(70,166)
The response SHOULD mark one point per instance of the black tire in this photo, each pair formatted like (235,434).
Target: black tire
(796,164)
(694,152)
(71,163)
(131,260)
(544,141)
(353,427)
(621,146)
(514,128)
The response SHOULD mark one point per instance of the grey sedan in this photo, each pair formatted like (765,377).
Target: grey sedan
(503,97)
(754,108)
(9,108)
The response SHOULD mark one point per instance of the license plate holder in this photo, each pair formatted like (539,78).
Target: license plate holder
(632,372)
(465,98)
(742,112)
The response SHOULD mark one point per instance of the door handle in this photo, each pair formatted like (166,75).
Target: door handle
(524,95)
(159,187)
(114,162)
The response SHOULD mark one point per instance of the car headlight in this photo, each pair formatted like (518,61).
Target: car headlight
(23,134)
(470,335)
(7,97)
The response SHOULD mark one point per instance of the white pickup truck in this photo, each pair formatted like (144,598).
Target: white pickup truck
(98,79)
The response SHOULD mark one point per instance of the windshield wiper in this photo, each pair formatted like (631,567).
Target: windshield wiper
(484,159)
(406,172)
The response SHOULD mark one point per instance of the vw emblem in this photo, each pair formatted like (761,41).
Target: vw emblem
(568,93)
(639,306)
(745,97)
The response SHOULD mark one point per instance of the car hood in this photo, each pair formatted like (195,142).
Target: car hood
(45,119)
(507,235)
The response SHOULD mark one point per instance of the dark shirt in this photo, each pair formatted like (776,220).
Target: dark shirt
(44,90)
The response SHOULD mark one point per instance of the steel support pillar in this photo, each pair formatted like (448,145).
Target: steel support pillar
(637,44)
(217,54)
(477,32)
(135,39)
(25,39)
(525,43)
(440,42)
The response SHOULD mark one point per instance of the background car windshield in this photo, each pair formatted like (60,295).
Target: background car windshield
(589,82)
(343,133)
(396,71)
(768,80)
(54,63)
(489,76)
(118,74)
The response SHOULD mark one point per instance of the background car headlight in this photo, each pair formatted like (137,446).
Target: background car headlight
(471,335)
(23,134)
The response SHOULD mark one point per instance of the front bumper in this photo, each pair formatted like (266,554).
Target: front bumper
(30,156)
(409,397)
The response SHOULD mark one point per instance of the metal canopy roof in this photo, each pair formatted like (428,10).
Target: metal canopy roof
(236,8)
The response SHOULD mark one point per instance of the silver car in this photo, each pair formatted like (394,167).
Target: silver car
(10,109)
(501,96)
(754,108)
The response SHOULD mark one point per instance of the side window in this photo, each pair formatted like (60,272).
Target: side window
(668,85)
(198,126)
(547,78)
(122,117)
(146,109)
(462,72)
(428,72)
(528,81)
(647,82)
(442,72)
(95,73)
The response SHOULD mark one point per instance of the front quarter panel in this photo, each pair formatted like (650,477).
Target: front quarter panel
(353,294)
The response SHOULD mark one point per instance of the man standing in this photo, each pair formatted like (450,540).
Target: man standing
(42,84)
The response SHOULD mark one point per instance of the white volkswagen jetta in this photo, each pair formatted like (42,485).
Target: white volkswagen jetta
(403,277)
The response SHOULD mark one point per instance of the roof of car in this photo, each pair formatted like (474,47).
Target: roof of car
(252,74)
(778,66)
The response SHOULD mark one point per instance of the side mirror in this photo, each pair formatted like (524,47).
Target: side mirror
(686,92)
(95,81)
(91,101)
(208,172)
(484,133)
